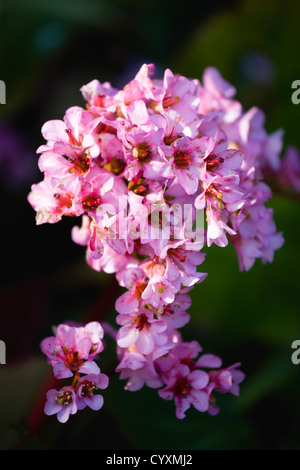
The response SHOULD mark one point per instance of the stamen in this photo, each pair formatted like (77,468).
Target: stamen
(116,166)
(88,388)
(72,138)
(91,202)
(168,100)
(141,321)
(81,164)
(142,153)
(215,192)
(138,186)
(181,387)
(213,162)
(139,289)
(99,100)
(64,200)
(64,398)
(182,160)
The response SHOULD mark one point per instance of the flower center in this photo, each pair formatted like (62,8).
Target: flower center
(139,289)
(167,310)
(72,358)
(177,254)
(72,138)
(142,153)
(213,162)
(116,166)
(88,388)
(80,164)
(181,387)
(91,202)
(169,100)
(138,186)
(63,200)
(64,398)
(99,100)
(141,321)
(182,160)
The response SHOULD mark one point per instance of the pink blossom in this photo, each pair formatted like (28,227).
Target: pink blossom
(138,369)
(141,165)
(159,291)
(73,135)
(289,173)
(177,93)
(181,353)
(175,314)
(73,349)
(227,380)
(217,94)
(220,197)
(186,388)
(52,200)
(142,330)
(256,237)
(88,391)
(141,87)
(134,280)
(62,403)
(187,158)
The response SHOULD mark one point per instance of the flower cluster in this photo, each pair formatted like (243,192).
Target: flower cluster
(71,353)
(145,167)
(181,374)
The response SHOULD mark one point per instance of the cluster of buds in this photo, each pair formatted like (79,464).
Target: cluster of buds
(146,167)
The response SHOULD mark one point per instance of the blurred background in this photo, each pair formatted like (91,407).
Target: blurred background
(48,50)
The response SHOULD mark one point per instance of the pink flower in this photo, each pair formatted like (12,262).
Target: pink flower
(138,369)
(73,136)
(159,291)
(219,198)
(289,172)
(99,95)
(134,280)
(52,200)
(142,330)
(249,135)
(227,380)
(181,353)
(141,87)
(182,262)
(143,166)
(88,391)
(217,94)
(73,349)
(62,403)
(219,158)
(187,158)
(144,151)
(175,314)
(186,388)
(178,93)
(256,236)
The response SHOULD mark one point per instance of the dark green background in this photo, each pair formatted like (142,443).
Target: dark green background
(48,50)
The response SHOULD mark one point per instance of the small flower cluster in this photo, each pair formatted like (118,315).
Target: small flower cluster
(180,375)
(144,166)
(71,353)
